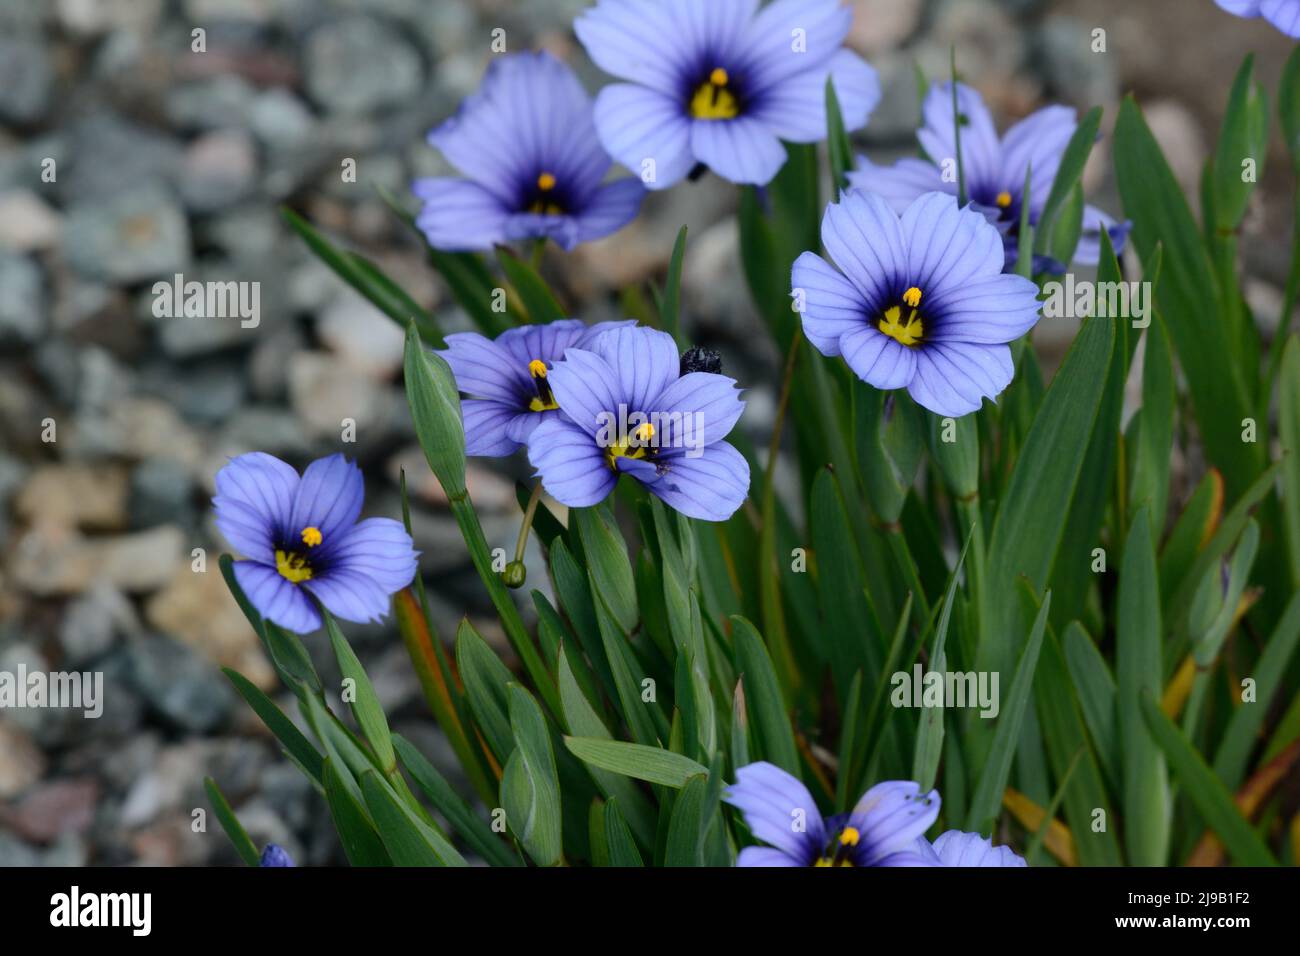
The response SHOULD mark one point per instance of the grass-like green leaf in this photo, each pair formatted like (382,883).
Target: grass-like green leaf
(366,707)
(230,823)
(773,740)
(408,839)
(361,844)
(530,790)
(652,764)
(537,299)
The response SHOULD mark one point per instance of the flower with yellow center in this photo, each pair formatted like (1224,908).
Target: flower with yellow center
(544,400)
(545,202)
(1003,200)
(635,445)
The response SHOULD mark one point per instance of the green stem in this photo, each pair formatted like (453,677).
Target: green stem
(529,512)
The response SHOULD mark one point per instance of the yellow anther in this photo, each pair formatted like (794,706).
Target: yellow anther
(912,297)
(907,333)
(311,536)
(292,567)
(715,100)
(537,368)
(644,432)
(849,836)
(718,77)
(1003,200)
(546,182)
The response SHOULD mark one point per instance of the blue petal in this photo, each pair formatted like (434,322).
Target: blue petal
(774,804)
(709,399)
(585,386)
(900,184)
(378,548)
(647,131)
(645,362)
(487,427)
(1283,14)
(612,207)
(832,307)
(771,55)
(953,380)
(487,369)
(890,816)
(711,487)
(563,228)
(741,150)
(275,598)
(948,247)
(329,498)
(955,848)
(865,239)
(878,359)
(253,503)
(572,468)
(766,856)
(795,109)
(643,41)
(459,215)
(989,311)
(1036,144)
(981,151)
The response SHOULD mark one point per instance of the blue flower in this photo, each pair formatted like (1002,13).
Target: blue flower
(882,829)
(885,828)
(919,302)
(535,170)
(507,380)
(714,82)
(275,855)
(994,168)
(1283,14)
(627,409)
(301,539)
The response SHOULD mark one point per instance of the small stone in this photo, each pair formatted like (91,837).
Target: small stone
(489,491)
(220,168)
(198,610)
(1062,49)
(75,496)
(27,222)
(279,119)
(128,236)
(219,102)
(325,390)
(161,492)
(179,685)
(50,560)
(54,808)
(357,65)
(21,763)
(26,77)
(1179,136)
(22,300)
(103,155)
(92,623)
(883,25)
(362,336)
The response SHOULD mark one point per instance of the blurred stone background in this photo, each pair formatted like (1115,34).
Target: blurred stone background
(170,161)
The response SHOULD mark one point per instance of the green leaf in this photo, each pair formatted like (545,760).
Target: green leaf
(652,764)
(685,845)
(581,720)
(1036,502)
(670,305)
(435,409)
(230,823)
(367,279)
(1205,790)
(361,844)
(929,734)
(538,301)
(1138,664)
(1243,138)
(773,738)
(608,563)
(474,288)
(1289,432)
(618,838)
(408,839)
(1096,688)
(837,142)
(298,747)
(530,789)
(486,681)
(1247,720)
(1155,430)
(1288,106)
(889,432)
(366,708)
(987,797)
(1187,295)
(475,831)
(644,717)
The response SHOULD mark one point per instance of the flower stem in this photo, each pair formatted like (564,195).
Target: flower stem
(527,526)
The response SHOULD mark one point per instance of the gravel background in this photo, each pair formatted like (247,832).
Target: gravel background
(167,160)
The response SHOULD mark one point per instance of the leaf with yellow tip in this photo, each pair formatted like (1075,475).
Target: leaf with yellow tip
(1030,815)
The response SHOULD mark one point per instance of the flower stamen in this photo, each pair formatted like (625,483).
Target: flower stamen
(544,400)
(1003,200)
(311,536)
(907,332)
(714,99)
(292,566)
